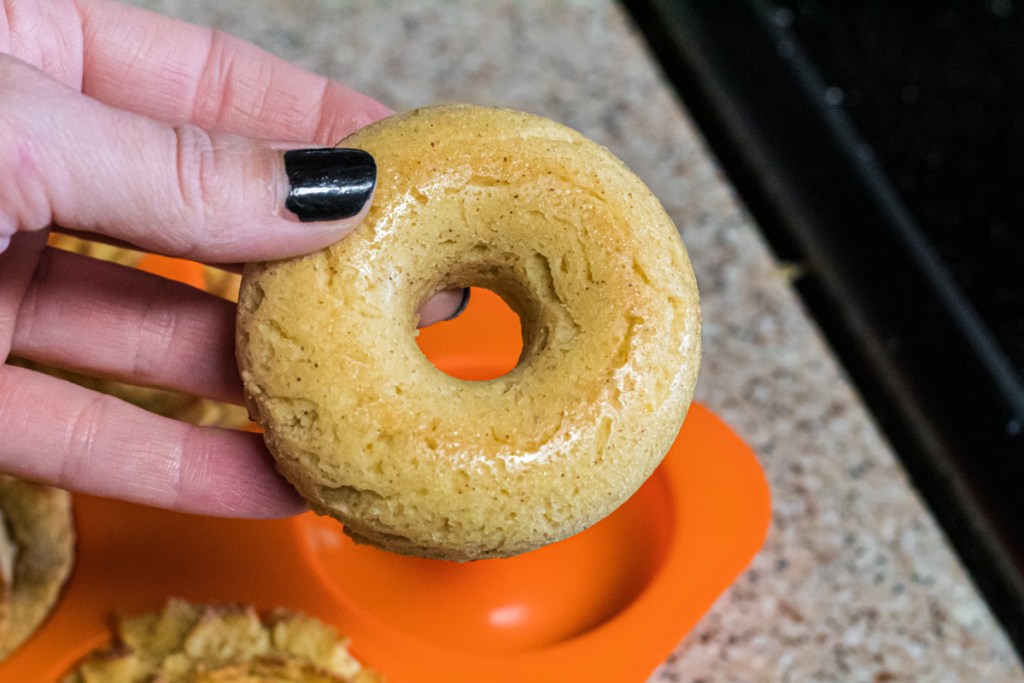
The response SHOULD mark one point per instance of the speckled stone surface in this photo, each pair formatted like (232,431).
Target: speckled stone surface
(855,582)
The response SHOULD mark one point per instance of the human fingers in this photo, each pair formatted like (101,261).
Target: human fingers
(109,320)
(62,434)
(67,159)
(229,84)
(17,265)
(443,306)
(181,74)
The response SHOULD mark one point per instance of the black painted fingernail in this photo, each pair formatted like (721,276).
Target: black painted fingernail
(328,184)
(462,305)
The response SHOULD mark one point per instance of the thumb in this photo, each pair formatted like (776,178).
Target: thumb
(70,160)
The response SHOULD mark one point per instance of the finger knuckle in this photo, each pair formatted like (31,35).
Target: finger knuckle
(197,185)
(156,332)
(194,460)
(83,440)
(24,200)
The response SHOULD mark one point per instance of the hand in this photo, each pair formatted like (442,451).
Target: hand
(135,128)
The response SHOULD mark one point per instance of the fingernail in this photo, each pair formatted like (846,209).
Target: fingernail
(328,184)
(462,305)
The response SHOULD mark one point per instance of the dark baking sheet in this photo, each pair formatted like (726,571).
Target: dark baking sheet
(881,147)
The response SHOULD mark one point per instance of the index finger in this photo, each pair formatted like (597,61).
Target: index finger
(180,73)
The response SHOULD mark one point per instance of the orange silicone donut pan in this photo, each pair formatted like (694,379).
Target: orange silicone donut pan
(609,604)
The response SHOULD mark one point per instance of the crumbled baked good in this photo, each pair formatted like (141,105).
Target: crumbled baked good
(36,556)
(187,643)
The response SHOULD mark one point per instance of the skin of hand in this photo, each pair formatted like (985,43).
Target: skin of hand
(126,126)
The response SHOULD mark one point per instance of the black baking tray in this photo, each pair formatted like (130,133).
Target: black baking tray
(880,146)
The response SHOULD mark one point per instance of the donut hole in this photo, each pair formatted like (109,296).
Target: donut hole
(457,348)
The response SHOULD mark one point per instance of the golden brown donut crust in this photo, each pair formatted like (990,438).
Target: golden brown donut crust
(416,461)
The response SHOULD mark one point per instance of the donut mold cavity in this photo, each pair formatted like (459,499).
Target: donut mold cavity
(418,462)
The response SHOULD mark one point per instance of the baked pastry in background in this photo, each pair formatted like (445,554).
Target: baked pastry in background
(186,643)
(36,555)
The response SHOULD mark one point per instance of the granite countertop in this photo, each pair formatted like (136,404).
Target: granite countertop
(855,582)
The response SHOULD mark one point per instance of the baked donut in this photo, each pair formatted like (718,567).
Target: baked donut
(418,462)
(36,555)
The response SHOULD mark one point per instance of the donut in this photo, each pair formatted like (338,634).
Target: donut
(222,644)
(36,556)
(415,461)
